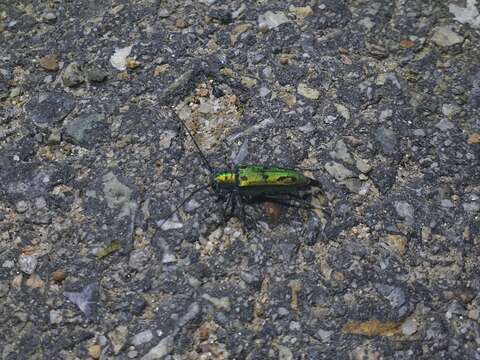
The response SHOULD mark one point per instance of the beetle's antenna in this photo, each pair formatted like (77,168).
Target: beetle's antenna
(184,201)
(196,145)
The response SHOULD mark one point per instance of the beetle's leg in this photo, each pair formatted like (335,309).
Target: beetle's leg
(233,200)
(227,210)
(220,197)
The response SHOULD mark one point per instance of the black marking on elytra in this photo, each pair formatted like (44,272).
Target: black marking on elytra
(287,178)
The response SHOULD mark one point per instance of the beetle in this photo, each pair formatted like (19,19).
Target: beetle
(252,183)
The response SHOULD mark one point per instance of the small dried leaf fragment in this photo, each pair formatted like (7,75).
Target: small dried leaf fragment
(109,249)
(372,328)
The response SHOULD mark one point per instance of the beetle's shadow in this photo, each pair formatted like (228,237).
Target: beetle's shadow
(270,209)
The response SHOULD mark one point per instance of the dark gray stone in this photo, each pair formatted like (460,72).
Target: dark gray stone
(180,87)
(49,109)
(93,73)
(395,295)
(73,75)
(86,300)
(383,177)
(78,130)
(387,140)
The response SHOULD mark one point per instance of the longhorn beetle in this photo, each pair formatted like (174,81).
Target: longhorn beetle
(252,183)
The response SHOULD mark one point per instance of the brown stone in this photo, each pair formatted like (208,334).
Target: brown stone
(203,92)
(49,62)
(181,23)
(473,138)
(232,99)
(123,75)
(397,242)
(238,30)
(273,210)
(160,69)
(203,332)
(35,282)
(17,281)
(95,351)
(302,11)
(58,276)
(338,276)
(263,28)
(284,59)
(406,43)
(346,60)
(132,63)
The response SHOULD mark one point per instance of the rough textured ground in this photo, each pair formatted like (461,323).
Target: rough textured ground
(380,99)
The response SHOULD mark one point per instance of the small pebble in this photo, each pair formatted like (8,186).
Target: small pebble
(264,91)
(55,137)
(17,281)
(409,327)
(203,92)
(217,92)
(16,91)
(55,317)
(446,203)
(160,350)
(294,326)
(283,311)
(118,337)
(49,17)
(181,24)
(58,276)
(222,303)
(163,13)
(474,138)
(474,314)
(471,206)
(95,74)
(160,69)
(142,338)
(406,43)
(35,282)
(272,19)
(302,11)
(21,206)
(138,259)
(308,92)
(284,60)
(405,211)
(444,125)
(3,289)
(27,263)
(95,351)
(8,264)
(132,63)
(445,36)
(72,75)
(324,334)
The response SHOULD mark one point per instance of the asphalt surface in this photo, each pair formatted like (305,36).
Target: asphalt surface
(378,101)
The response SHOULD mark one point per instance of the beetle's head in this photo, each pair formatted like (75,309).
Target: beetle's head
(224,181)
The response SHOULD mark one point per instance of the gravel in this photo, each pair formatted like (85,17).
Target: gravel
(378,101)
